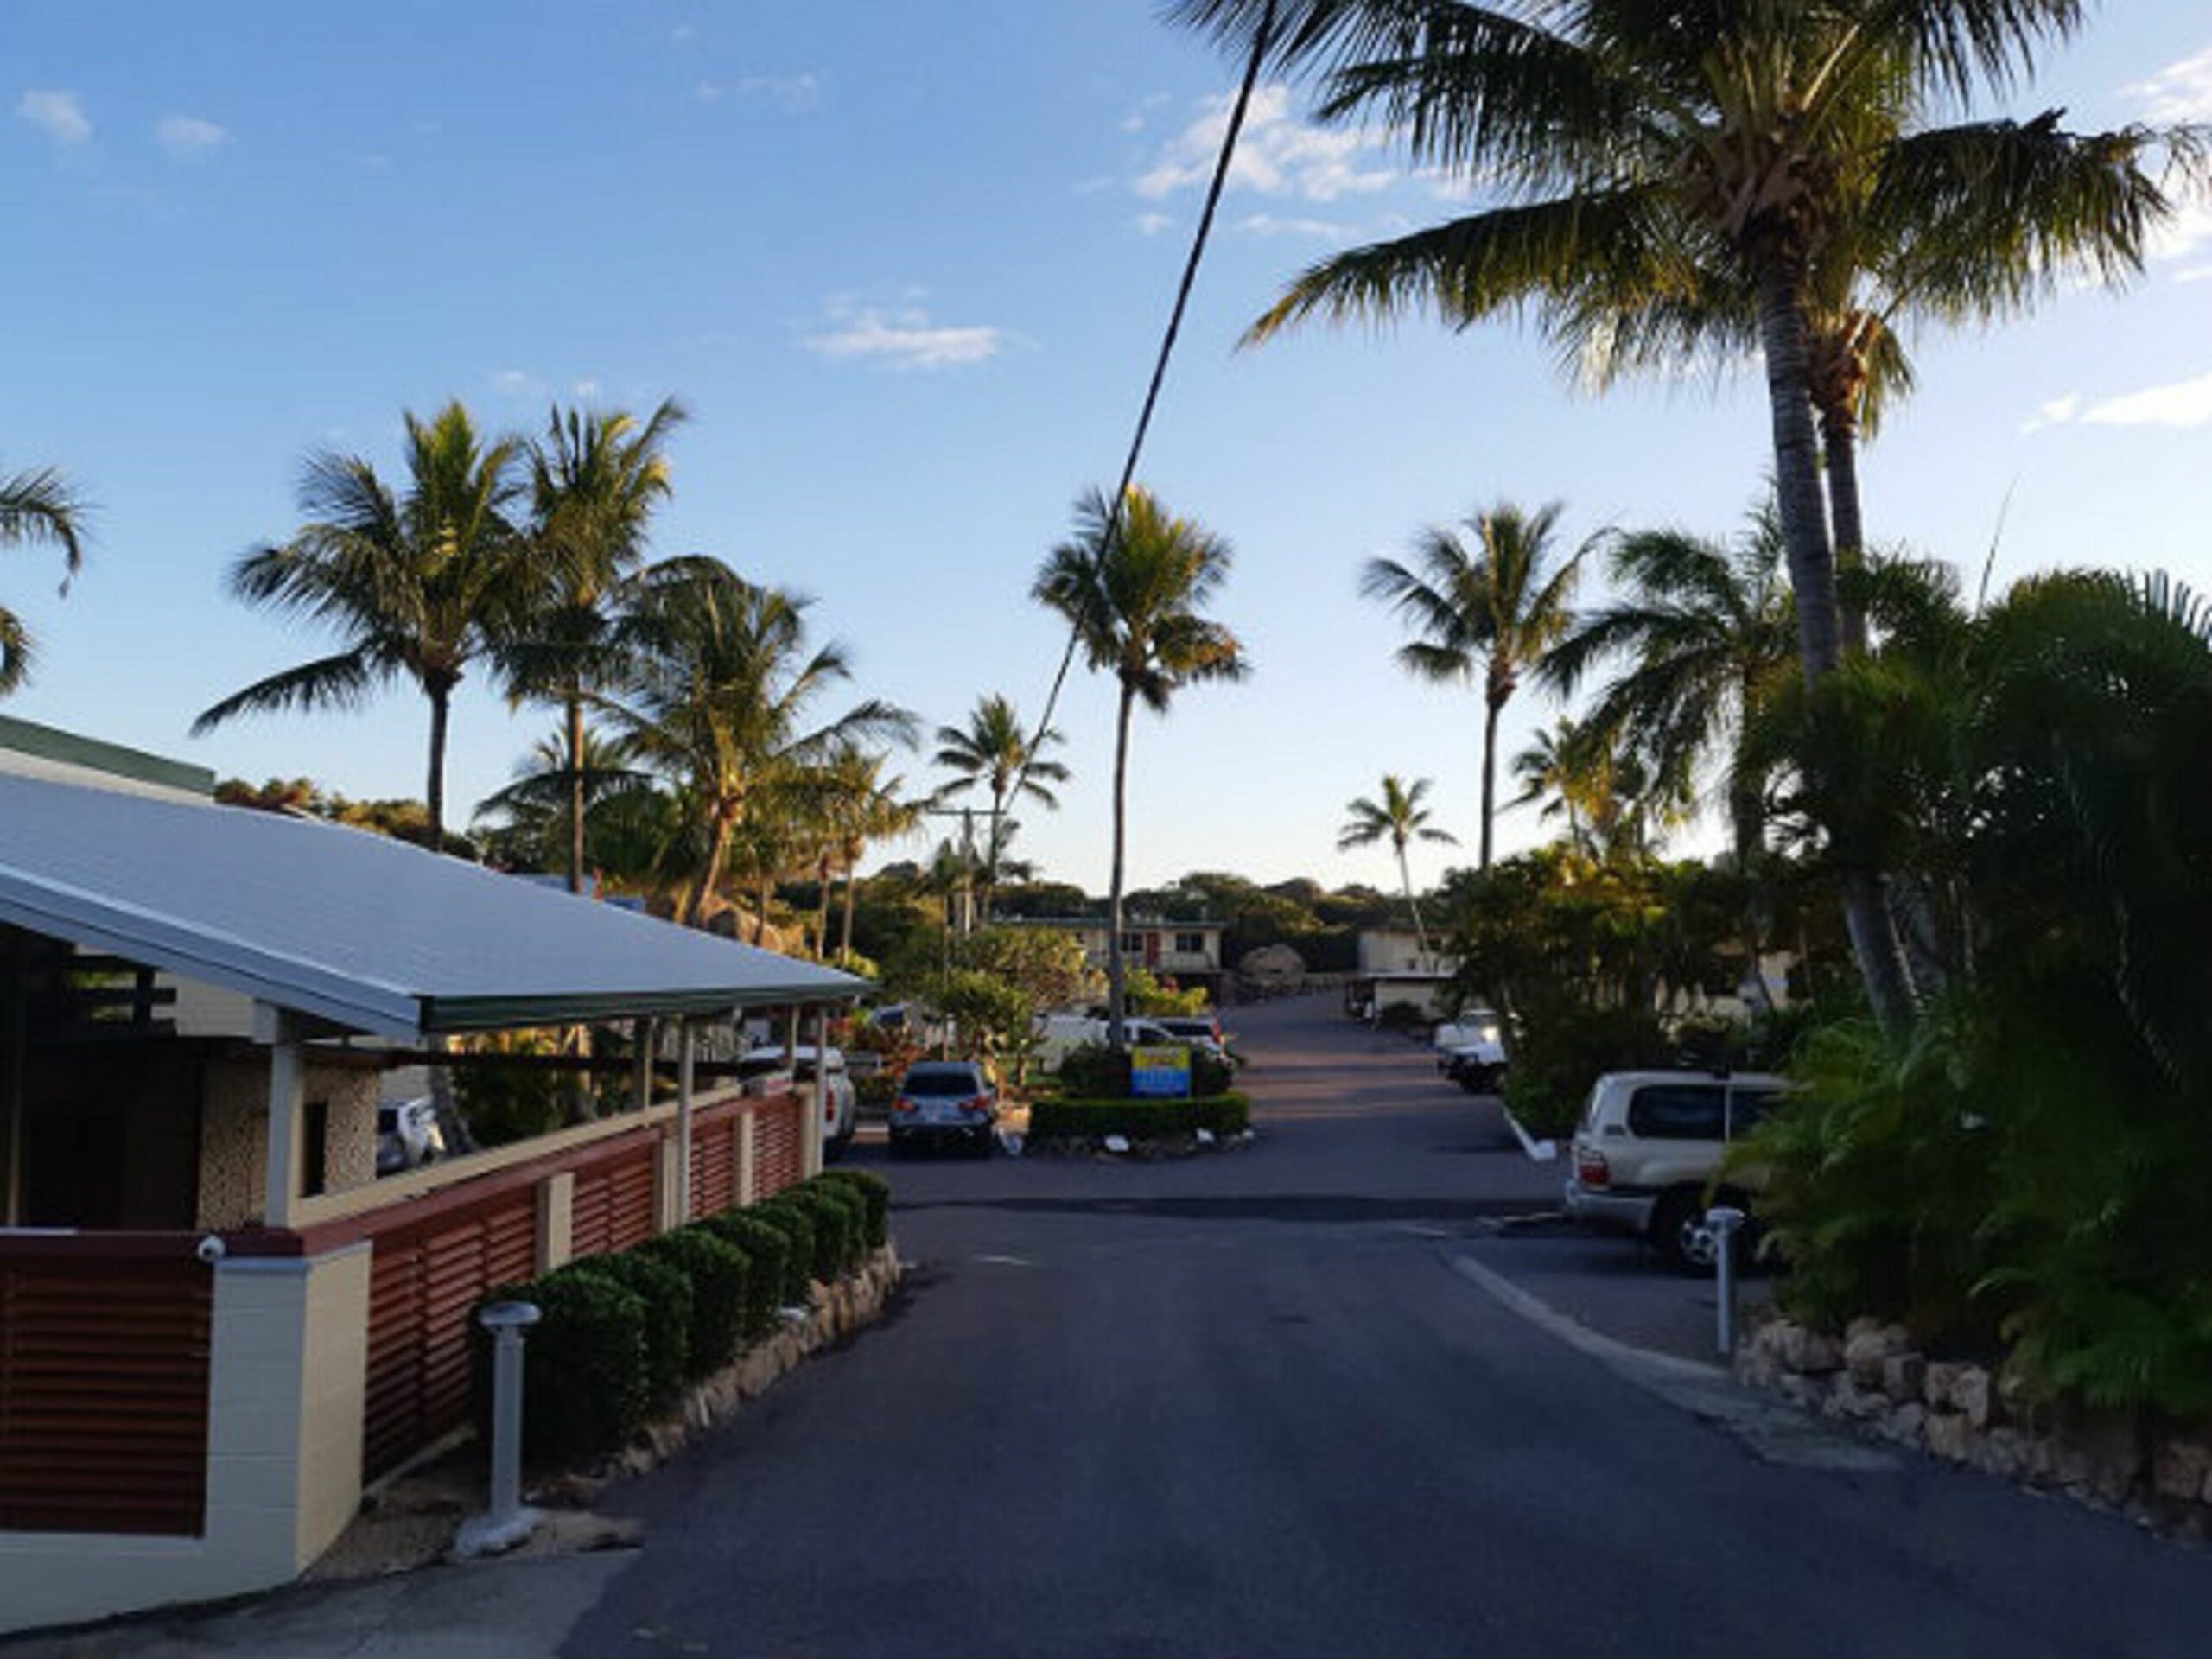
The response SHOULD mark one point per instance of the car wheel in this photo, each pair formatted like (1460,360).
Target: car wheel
(981,1145)
(1678,1229)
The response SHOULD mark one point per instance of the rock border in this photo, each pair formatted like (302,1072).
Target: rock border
(1143,1148)
(1983,1417)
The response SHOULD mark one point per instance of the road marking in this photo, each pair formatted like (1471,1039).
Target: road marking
(1774,1433)
(1007,1260)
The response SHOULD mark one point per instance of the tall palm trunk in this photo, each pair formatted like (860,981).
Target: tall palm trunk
(575,715)
(991,851)
(723,823)
(1812,573)
(1406,881)
(1492,706)
(1116,969)
(822,907)
(1839,455)
(766,893)
(852,880)
(439,691)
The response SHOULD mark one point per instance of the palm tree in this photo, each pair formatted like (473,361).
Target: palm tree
(1706,635)
(718,694)
(596,480)
(1399,818)
(997,751)
(1131,582)
(1489,606)
(865,806)
(531,822)
(419,585)
(36,507)
(1641,151)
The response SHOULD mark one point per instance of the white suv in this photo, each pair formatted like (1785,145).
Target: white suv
(1647,1151)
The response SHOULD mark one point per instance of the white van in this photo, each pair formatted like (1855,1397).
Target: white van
(1057,1034)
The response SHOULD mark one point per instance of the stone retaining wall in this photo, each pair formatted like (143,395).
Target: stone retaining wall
(1985,1417)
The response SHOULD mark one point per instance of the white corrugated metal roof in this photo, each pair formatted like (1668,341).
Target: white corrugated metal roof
(370,933)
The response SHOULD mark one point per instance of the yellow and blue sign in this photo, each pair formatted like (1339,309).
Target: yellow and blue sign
(1160,1073)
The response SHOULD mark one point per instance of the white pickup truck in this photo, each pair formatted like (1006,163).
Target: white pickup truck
(1470,1050)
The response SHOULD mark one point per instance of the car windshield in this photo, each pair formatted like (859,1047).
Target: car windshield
(948,1080)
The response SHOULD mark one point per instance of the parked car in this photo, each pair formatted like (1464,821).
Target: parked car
(408,1136)
(944,1100)
(1470,1050)
(1199,1030)
(772,1068)
(1647,1153)
(1058,1034)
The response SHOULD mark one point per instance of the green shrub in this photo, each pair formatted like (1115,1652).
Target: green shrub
(503,1101)
(585,1380)
(768,1250)
(718,1270)
(796,1226)
(853,1203)
(1096,1071)
(666,1292)
(874,1089)
(875,1193)
(835,1227)
(1210,1073)
(1228,1113)
(1553,1063)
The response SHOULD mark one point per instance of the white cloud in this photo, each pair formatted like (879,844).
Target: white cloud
(187,137)
(1140,117)
(792,93)
(2189,229)
(2180,91)
(60,115)
(1152,224)
(517,383)
(2181,402)
(584,390)
(1272,225)
(2194,274)
(681,35)
(906,338)
(1277,155)
(2056,412)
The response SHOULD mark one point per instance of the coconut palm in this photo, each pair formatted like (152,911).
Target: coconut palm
(531,822)
(419,585)
(1637,150)
(719,693)
(1399,818)
(865,807)
(36,507)
(1611,795)
(1704,635)
(596,479)
(1486,606)
(996,750)
(1131,582)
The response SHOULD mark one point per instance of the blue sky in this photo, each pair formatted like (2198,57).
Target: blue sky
(907,265)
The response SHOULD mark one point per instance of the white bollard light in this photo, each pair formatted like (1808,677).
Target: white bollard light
(1725,1220)
(509,1521)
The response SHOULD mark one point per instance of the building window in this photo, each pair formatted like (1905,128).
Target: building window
(1190,944)
(1132,944)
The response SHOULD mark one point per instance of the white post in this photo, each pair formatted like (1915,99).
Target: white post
(817,1096)
(287,1106)
(684,1043)
(641,1082)
(508,1521)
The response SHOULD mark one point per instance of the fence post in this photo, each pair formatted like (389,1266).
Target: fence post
(508,1521)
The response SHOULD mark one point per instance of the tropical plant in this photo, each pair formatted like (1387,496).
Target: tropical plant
(595,481)
(1399,818)
(718,692)
(865,807)
(38,506)
(1486,608)
(530,823)
(419,584)
(1705,636)
(1131,582)
(996,750)
(1611,800)
(1646,157)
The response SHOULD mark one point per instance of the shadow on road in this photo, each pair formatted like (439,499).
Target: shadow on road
(1301,1208)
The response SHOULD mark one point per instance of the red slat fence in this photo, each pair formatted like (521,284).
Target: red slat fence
(104,1357)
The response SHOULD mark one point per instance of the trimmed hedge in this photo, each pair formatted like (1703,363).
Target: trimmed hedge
(875,1194)
(717,1270)
(833,1229)
(855,1208)
(1229,1114)
(670,1314)
(768,1250)
(585,1380)
(797,1225)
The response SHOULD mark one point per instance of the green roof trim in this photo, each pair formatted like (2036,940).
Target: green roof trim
(458,1013)
(52,743)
